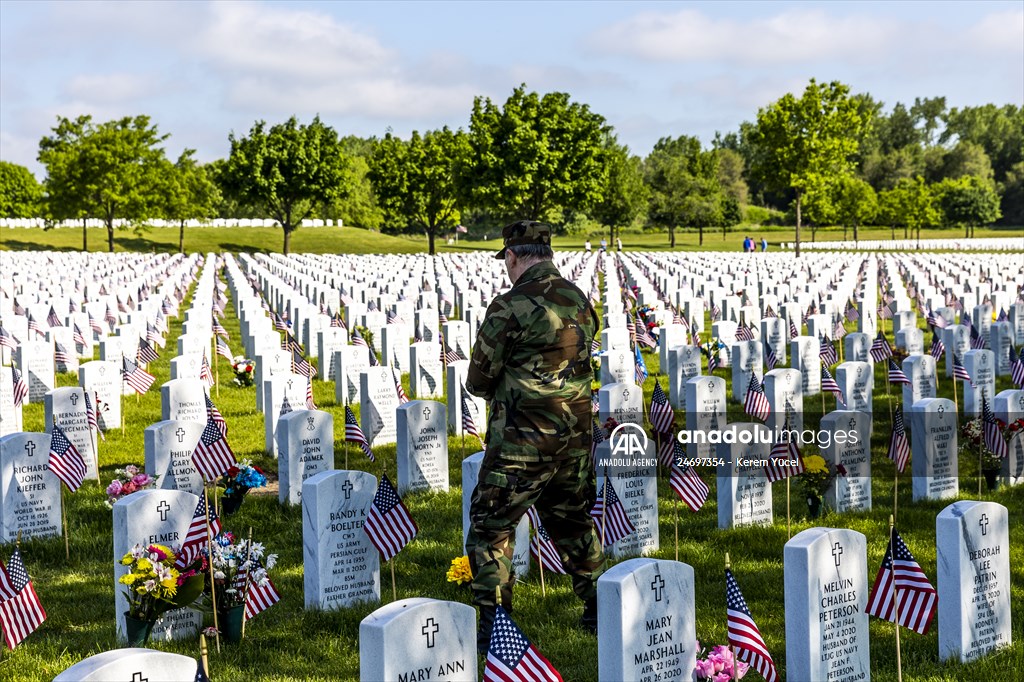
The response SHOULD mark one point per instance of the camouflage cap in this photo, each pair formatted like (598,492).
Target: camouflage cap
(524,232)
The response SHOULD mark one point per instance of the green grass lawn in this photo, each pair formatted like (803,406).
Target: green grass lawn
(289,643)
(357,240)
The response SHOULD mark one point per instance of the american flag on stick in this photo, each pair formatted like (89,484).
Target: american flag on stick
(354,434)
(139,379)
(512,658)
(468,425)
(1017,367)
(262,594)
(994,441)
(661,414)
(784,460)
(66,461)
(145,354)
(195,536)
(214,415)
(743,633)
(959,371)
(389,524)
(542,549)
(20,609)
(880,348)
(20,387)
(610,516)
(755,403)
(896,375)
(224,350)
(685,482)
(899,449)
(902,588)
(213,455)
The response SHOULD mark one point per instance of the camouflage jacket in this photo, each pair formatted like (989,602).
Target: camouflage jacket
(531,360)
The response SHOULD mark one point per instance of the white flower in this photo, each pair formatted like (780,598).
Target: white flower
(271,560)
(218,575)
(138,551)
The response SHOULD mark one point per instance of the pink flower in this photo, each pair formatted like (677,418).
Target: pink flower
(160,554)
(131,469)
(128,488)
(114,489)
(140,480)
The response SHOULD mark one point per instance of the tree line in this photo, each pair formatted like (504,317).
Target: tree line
(822,158)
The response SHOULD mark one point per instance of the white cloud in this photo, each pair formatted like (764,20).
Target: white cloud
(792,36)
(1001,32)
(112,87)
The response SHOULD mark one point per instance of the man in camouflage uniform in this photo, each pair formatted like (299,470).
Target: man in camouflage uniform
(531,360)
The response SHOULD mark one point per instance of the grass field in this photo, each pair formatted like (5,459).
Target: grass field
(357,240)
(289,643)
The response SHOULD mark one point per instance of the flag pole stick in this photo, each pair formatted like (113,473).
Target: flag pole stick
(540,568)
(209,549)
(789,533)
(204,653)
(216,372)
(675,524)
(394,588)
(732,647)
(64,518)
(604,503)
(956,403)
(895,605)
(248,579)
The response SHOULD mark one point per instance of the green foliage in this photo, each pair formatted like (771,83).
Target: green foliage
(763,215)
(966,158)
(359,206)
(416,181)
(685,189)
(189,192)
(798,141)
(112,170)
(534,156)
(967,201)
(625,194)
(856,203)
(999,131)
(1011,203)
(20,192)
(287,171)
(910,205)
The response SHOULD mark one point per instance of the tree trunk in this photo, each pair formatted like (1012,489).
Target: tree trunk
(844,233)
(967,231)
(287,238)
(905,232)
(700,236)
(796,245)
(892,232)
(814,232)
(85,236)
(181,237)
(855,229)
(672,236)
(430,241)
(110,235)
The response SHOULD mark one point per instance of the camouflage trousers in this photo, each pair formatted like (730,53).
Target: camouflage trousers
(563,493)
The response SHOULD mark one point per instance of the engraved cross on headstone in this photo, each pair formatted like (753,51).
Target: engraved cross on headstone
(180,433)
(657,585)
(837,552)
(426,413)
(347,487)
(30,448)
(983,522)
(163,508)
(430,629)
(74,398)
(137,677)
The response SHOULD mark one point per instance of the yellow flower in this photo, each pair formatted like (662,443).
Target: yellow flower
(128,578)
(459,572)
(144,564)
(170,586)
(815,464)
(127,559)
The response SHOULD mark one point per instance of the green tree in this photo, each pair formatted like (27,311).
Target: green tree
(684,185)
(999,131)
(856,203)
(819,203)
(189,193)
(928,113)
(359,206)
(968,201)
(910,205)
(288,170)
(416,181)
(625,195)
(797,140)
(965,158)
(535,156)
(1011,204)
(20,192)
(112,171)
(734,187)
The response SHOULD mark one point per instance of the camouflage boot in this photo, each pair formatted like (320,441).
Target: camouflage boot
(588,621)
(484,628)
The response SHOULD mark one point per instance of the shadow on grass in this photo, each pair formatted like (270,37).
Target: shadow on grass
(19,245)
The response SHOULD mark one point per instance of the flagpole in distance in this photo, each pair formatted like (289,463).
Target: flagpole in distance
(895,602)
(391,561)
(209,550)
(732,647)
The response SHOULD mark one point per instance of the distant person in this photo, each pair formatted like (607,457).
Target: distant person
(604,244)
(764,244)
(748,244)
(586,246)
(618,243)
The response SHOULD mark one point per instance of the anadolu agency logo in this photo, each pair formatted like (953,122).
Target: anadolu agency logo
(628,447)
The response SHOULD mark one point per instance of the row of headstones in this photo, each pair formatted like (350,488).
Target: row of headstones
(647,612)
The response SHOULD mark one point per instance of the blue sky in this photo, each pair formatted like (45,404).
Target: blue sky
(653,69)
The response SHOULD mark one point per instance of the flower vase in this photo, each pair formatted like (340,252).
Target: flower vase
(813,507)
(230,503)
(991,478)
(229,621)
(137,631)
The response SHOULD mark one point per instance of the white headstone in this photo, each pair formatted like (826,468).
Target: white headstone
(305,448)
(422,450)
(65,407)
(378,402)
(183,399)
(744,493)
(848,443)
(131,665)
(29,492)
(103,379)
(169,446)
(933,443)
(35,360)
(426,371)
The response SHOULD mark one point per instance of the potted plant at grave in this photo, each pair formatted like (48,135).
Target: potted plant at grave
(245,371)
(155,586)
(971,443)
(815,481)
(238,566)
(237,482)
(127,481)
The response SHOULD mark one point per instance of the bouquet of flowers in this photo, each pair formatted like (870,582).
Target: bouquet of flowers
(972,440)
(245,371)
(236,563)
(459,572)
(127,481)
(237,481)
(817,477)
(716,665)
(154,586)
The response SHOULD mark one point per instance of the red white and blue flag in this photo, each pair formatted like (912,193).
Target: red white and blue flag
(542,548)
(743,633)
(66,461)
(610,516)
(902,592)
(512,658)
(195,536)
(389,525)
(756,404)
(213,455)
(20,609)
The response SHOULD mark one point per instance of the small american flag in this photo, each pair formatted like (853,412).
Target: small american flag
(512,658)
(851,313)
(896,375)
(770,358)
(661,415)
(60,354)
(1017,367)
(338,321)
(826,351)
(643,335)
(899,449)
(793,332)
(213,455)
(205,373)
(224,350)
(769,312)
(744,333)
(20,387)
(900,575)
(959,371)
(598,437)
(94,324)
(994,440)
(389,525)
(7,339)
(542,549)
(214,415)
(595,346)
(262,593)
(20,610)
(66,461)
(780,461)
(685,482)
(139,379)
(743,633)
(218,329)
(468,425)
(310,403)
(977,340)
(880,348)
(610,516)
(639,367)
(279,323)
(302,366)
(77,336)
(402,397)
(195,536)
(110,316)
(755,403)
(938,348)
(448,356)
(52,319)
(354,434)
(713,359)
(839,331)
(145,354)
